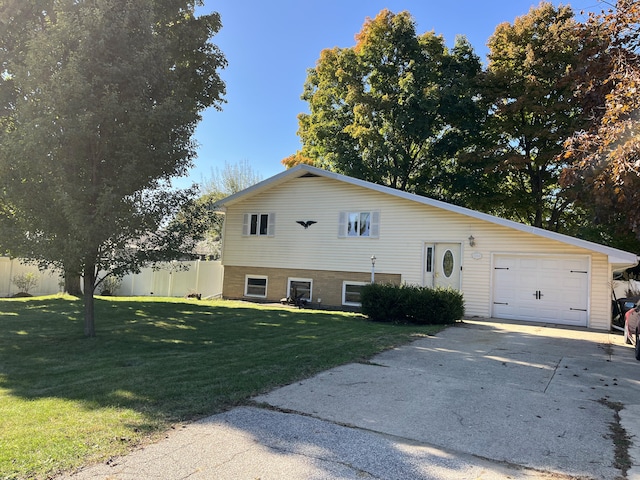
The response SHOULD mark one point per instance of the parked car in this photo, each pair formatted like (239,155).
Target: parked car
(620,307)
(632,328)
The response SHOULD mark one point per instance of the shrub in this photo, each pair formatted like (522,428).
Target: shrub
(412,304)
(381,302)
(110,285)
(435,306)
(25,281)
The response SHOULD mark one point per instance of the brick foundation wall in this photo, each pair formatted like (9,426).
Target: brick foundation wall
(327,285)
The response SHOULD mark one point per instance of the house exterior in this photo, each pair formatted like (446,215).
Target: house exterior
(311,234)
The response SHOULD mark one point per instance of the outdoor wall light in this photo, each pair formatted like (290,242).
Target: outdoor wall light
(373,268)
(472,241)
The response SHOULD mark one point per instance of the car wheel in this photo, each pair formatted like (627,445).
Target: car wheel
(637,345)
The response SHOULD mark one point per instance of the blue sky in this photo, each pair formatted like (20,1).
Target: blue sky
(270,45)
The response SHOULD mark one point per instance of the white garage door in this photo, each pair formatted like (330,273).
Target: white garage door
(541,288)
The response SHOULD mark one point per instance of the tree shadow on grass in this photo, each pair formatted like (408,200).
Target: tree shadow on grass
(66,399)
(170,360)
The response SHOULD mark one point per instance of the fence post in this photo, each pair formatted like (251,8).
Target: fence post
(197,276)
(10,274)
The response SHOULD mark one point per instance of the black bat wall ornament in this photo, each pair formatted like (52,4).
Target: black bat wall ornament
(306,224)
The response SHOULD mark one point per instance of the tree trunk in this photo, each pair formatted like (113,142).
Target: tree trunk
(89,314)
(72,284)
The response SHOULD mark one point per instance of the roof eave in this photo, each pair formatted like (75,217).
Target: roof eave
(258,187)
(615,256)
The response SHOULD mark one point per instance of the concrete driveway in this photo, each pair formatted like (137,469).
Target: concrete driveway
(481,400)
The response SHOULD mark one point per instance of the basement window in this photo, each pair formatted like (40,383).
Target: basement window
(351,293)
(255,286)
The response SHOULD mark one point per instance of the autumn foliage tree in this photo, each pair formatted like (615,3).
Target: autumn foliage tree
(531,112)
(605,156)
(297,159)
(384,110)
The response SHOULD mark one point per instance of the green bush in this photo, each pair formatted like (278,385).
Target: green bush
(381,302)
(411,304)
(110,285)
(25,281)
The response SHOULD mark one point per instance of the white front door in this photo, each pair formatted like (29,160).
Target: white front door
(541,288)
(441,265)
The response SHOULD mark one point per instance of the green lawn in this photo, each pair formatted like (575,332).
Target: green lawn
(66,400)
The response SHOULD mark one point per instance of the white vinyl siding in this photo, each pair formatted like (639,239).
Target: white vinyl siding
(404,228)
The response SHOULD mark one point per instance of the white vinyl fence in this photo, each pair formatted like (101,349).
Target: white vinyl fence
(48,280)
(175,279)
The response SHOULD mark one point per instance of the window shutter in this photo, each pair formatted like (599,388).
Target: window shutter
(375,225)
(342,225)
(245,224)
(271,225)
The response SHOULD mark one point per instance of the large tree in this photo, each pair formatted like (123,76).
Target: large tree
(99,100)
(605,156)
(384,110)
(529,87)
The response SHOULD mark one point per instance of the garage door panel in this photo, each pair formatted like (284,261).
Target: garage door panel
(548,265)
(573,281)
(505,262)
(576,265)
(527,312)
(573,293)
(549,296)
(541,288)
(526,282)
(565,316)
(527,263)
(547,314)
(502,310)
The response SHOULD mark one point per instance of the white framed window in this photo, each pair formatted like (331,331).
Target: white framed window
(300,289)
(255,286)
(259,224)
(351,293)
(428,258)
(360,224)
